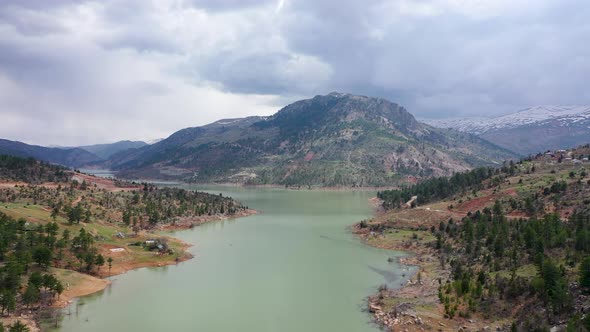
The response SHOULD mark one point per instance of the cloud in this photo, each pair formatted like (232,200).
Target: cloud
(227,5)
(80,72)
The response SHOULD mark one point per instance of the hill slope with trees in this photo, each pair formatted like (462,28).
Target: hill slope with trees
(332,140)
(57,224)
(506,248)
(105,151)
(70,157)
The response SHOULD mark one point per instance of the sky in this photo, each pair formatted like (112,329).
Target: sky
(85,72)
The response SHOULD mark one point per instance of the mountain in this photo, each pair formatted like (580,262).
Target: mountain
(71,157)
(530,130)
(498,232)
(105,151)
(154,141)
(332,140)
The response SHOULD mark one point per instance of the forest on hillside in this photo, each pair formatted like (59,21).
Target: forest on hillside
(30,170)
(515,242)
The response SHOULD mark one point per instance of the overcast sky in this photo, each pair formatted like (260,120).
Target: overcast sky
(76,72)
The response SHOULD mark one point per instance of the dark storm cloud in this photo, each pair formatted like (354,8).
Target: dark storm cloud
(451,60)
(436,57)
(268,73)
(66,62)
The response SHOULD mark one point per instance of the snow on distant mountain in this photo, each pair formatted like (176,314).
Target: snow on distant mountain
(467,125)
(526,130)
(534,115)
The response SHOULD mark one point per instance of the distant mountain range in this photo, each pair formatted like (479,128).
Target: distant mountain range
(530,130)
(105,151)
(332,140)
(68,156)
(71,157)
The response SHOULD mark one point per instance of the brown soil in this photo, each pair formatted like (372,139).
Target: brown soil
(88,285)
(102,183)
(419,217)
(26,319)
(475,204)
(11,184)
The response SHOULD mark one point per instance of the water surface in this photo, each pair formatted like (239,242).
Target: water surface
(294,267)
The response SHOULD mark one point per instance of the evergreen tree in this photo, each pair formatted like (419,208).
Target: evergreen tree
(18,326)
(585,274)
(31,295)
(99,261)
(42,256)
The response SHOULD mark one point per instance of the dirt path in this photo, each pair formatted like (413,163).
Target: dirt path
(77,200)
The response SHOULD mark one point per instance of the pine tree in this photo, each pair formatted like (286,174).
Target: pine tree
(99,261)
(31,295)
(585,274)
(110,262)
(19,327)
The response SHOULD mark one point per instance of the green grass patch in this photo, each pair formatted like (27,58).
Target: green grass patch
(525,271)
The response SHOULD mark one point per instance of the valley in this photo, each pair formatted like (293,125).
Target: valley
(449,197)
(294,166)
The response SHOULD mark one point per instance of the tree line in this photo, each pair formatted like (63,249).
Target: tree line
(26,253)
(485,251)
(30,170)
(438,188)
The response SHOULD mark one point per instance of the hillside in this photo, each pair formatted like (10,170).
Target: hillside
(332,140)
(505,248)
(71,157)
(530,130)
(31,171)
(62,230)
(105,151)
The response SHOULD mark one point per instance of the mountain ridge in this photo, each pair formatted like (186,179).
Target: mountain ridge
(530,130)
(106,150)
(71,157)
(332,140)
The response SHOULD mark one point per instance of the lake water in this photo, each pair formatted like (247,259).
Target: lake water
(103,173)
(294,267)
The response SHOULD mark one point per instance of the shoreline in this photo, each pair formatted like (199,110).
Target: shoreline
(124,268)
(413,305)
(95,284)
(92,284)
(270,186)
(415,256)
(128,252)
